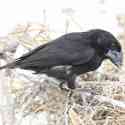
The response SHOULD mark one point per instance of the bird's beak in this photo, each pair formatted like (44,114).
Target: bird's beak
(116,57)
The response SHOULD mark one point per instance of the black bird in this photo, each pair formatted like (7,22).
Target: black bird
(71,55)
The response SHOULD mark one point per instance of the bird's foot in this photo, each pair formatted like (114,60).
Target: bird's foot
(63,86)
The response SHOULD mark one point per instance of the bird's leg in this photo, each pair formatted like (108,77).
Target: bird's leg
(63,87)
(69,78)
(71,81)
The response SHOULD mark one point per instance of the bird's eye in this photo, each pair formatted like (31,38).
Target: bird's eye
(113,45)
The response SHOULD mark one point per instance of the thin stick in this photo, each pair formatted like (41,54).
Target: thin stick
(67,107)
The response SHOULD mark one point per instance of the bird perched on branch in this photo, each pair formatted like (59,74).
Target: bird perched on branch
(71,55)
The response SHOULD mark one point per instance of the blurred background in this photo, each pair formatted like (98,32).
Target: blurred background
(82,15)
(27,99)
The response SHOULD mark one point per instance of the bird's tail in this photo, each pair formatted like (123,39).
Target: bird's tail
(9,65)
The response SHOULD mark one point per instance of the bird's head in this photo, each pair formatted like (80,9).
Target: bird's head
(108,46)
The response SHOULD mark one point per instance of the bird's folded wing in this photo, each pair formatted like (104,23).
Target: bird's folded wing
(50,56)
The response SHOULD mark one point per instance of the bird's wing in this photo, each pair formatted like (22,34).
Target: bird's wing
(62,51)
